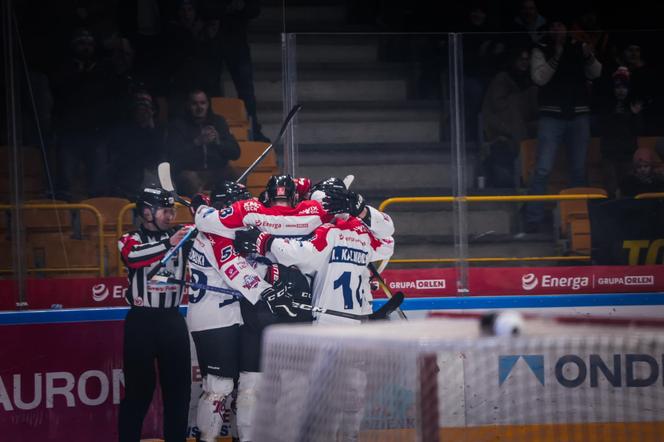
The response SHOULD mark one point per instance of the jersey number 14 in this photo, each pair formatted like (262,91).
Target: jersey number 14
(344,282)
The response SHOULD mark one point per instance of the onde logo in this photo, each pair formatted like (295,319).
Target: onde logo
(529,281)
(99,292)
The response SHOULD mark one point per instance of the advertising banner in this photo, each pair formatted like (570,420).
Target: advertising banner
(627,231)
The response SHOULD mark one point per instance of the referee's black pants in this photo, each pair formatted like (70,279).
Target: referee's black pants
(155,334)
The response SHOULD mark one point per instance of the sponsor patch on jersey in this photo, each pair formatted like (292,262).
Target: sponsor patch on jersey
(312,210)
(198,258)
(349,255)
(226,253)
(251,206)
(231,272)
(250,281)
(228,211)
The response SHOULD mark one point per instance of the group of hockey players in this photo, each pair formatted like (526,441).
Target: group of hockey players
(252,262)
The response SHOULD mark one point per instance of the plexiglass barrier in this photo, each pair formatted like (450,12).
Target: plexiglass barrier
(535,143)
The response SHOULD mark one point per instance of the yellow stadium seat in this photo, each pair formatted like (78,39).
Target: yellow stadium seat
(249,151)
(577,209)
(109,207)
(51,252)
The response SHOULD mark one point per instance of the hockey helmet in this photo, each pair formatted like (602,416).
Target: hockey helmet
(227,192)
(281,187)
(154,197)
(332,183)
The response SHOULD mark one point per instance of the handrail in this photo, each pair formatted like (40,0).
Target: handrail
(100,231)
(120,230)
(486,199)
(649,196)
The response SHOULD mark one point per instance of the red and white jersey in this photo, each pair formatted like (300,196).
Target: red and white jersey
(300,220)
(336,257)
(214,262)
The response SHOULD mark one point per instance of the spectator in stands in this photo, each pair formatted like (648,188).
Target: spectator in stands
(144,23)
(528,20)
(229,45)
(587,29)
(186,65)
(135,148)
(82,107)
(481,52)
(646,174)
(563,68)
(509,115)
(199,146)
(620,124)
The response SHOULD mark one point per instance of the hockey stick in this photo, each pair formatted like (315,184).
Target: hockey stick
(284,126)
(385,288)
(171,252)
(381,313)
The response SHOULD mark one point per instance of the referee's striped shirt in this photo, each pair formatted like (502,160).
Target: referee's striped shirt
(141,251)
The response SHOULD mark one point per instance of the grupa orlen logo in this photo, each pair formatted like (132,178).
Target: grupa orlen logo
(99,292)
(529,281)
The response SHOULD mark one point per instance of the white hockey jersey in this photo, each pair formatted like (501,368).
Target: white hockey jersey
(214,262)
(335,257)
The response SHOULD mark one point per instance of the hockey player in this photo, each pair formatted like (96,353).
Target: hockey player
(278,213)
(216,319)
(154,329)
(335,257)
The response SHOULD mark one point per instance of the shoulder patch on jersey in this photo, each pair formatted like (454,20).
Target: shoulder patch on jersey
(231,272)
(251,206)
(349,255)
(208,211)
(225,213)
(251,281)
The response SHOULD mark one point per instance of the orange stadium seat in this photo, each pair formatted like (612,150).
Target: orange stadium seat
(574,219)
(240,133)
(232,109)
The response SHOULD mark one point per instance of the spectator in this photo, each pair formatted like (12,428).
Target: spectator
(82,109)
(135,148)
(620,124)
(646,174)
(229,45)
(588,30)
(509,115)
(481,50)
(528,20)
(199,146)
(562,67)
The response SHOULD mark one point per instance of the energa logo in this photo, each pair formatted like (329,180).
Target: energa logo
(529,281)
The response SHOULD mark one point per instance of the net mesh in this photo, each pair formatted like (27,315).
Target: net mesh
(436,380)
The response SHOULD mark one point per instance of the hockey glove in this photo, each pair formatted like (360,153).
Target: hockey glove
(336,201)
(279,301)
(356,203)
(200,199)
(251,241)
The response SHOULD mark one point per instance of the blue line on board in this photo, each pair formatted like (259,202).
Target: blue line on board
(444,303)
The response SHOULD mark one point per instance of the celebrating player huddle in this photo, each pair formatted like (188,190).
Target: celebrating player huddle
(299,253)
(261,249)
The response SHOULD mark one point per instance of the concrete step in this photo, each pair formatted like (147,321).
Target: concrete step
(372,153)
(315,50)
(503,249)
(441,222)
(400,177)
(333,71)
(273,16)
(397,131)
(348,90)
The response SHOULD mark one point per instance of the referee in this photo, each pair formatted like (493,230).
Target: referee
(154,329)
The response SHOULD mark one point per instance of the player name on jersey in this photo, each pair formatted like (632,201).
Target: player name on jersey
(349,255)
(198,258)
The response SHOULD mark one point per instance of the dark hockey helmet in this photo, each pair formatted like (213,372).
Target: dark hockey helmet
(226,193)
(332,183)
(154,197)
(281,187)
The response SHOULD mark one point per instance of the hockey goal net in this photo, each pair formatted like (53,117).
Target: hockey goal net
(438,380)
